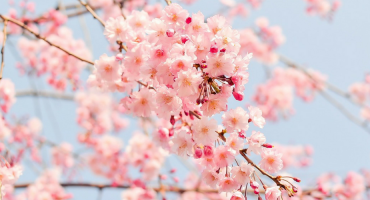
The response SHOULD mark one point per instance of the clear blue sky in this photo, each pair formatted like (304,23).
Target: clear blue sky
(339,49)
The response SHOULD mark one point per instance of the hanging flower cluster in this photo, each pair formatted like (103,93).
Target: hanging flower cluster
(276,95)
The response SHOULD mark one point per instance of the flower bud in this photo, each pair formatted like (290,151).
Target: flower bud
(223,50)
(208,151)
(214,49)
(171,133)
(184,39)
(266,145)
(172,120)
(297,179)
(198,153)
(170,32)
(119,57)
(173,170)
(256,191)
(188,20)
(238,96)
(198,101)
(254,184)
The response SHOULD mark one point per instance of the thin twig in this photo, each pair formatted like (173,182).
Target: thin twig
(168,2)
(346,113)
(92,12)
(43,38)
(103,186)
(24,93)
(3,47)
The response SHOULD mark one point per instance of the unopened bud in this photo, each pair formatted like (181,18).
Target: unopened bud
(188,20)
(266,145)
(238,96)
(198,101)
(171,133)
(170,32)
(119,57)
(214,49)
(186,113)
(208,151)
(172,120)
(223,50)
(184,39)
(198,153)
(173,170)
(254,184)
(297,179)
(249,120)
(256,191)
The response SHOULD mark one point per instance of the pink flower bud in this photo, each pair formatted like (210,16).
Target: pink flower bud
(176,179)
(173,170)
(266,145)
(188,20)
(208,151)
(214,49)
(256,191)
(170,32)
(198,152)
(254,185)
(171,133)
(223,50)
(163,177)
(184,39)
(238,96)
(249,120)
(172,120)
(297,179)
(119,57)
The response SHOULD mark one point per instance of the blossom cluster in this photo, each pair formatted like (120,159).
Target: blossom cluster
(276,95)
(193,66)
(47,186)
(40,58)
(323,8)
(360,93)
(98,113)
(263,41)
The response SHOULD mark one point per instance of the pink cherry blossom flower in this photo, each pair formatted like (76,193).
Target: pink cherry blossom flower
(175,15)
(227,184)
(242,173)
(273,193)
(204,131)
(116,29)
(237,196)
(235,120)
(271,161)
(256,116)
(255,142)
(182,143)
(224,156)
(235,142)
(220,64)
(211,177)
(187,82)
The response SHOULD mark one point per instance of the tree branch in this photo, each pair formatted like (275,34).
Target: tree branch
(3,47)
(92,12)
(22,25)
(24,93)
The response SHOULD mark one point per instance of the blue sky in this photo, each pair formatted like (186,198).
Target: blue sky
(339,49)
